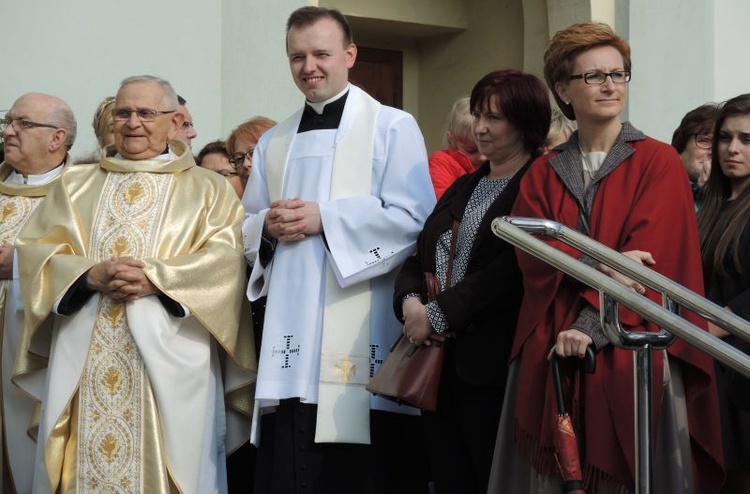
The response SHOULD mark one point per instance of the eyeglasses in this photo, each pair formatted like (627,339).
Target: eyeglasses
(238,159)
(22,124)
(618,77)
(185,125)
(226,173)
(703,140)
(143,114)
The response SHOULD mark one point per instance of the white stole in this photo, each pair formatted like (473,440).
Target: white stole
(343,402)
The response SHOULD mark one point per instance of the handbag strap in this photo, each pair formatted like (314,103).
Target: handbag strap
(452,252)
(431,282)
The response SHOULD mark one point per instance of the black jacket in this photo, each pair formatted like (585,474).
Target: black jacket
(482,309)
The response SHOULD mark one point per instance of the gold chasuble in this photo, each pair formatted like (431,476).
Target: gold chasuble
(132,390)
(17,202)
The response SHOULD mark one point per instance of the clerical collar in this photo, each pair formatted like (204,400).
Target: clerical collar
(167,155)
(320,105)
(325,114)
(42,179)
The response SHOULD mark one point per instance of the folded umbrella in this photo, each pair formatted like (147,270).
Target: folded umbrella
(566,443)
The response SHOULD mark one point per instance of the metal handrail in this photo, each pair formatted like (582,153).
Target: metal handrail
(519,232)
(516,231)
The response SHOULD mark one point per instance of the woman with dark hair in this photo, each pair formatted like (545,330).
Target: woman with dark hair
(475,313)
(628,192)
(215,157)
(724,227)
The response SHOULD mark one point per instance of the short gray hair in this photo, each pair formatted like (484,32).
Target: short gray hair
(63,117)
(170,96)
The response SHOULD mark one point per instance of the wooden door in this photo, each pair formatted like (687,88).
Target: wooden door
(380,73)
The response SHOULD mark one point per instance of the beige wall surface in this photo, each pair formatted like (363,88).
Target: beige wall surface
(450,65)
(448,46)
(448,13)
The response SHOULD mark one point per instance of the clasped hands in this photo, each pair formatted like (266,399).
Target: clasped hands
(417,326)
(121,278)
(290,220)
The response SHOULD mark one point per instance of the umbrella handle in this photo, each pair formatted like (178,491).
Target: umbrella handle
(590,368)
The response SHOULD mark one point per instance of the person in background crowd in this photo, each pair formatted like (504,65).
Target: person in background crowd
(626,191)
(692,139)
(38,132)
(139,260)
(103,124)
(103,130)
(337,195)
(724,225)
(186,132)
(242,141)
(511,115)
(462,155)
(560,129)
(240,146)
(215,157)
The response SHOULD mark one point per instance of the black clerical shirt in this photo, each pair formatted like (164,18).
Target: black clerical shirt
(329,119)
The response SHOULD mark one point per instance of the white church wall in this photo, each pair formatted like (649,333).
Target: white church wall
(227,59)
(673,62)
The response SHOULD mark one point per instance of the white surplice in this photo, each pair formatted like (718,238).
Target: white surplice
(367,237)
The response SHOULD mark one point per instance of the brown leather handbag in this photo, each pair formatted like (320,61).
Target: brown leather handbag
(410,374)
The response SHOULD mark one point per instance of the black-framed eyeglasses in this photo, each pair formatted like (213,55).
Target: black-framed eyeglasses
(23,124)
(617,76)
(238,159)
(143,114)
(187,125)
(703,141)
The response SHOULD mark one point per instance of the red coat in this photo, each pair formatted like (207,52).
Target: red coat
(446,166)
(644,203)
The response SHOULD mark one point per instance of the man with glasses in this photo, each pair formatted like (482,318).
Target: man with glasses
(693,139)
(38,131)
(337,195)
(140,255)
(186,132)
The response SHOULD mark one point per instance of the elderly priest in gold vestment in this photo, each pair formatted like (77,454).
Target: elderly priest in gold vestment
(139,260)
(38,131)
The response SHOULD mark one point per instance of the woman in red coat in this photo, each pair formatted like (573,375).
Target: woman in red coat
(629,192)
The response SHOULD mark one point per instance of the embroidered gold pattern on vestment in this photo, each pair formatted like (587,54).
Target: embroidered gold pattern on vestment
(345,369)
(14,212)
(110,433)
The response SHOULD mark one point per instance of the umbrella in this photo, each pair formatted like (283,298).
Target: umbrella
(566,443)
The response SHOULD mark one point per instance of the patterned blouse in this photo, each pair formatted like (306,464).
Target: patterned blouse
(485,193)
